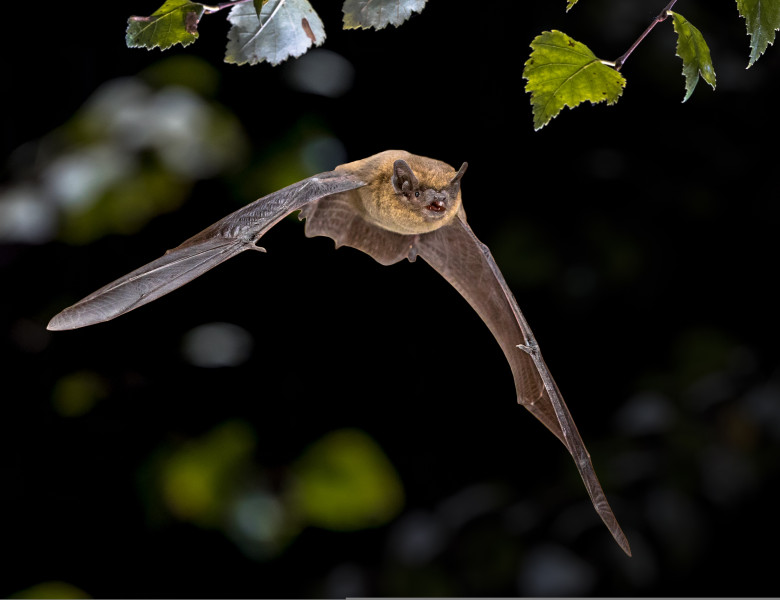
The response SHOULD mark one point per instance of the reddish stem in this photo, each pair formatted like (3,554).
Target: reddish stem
(661,17)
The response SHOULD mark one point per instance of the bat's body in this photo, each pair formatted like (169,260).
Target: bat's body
(392,206)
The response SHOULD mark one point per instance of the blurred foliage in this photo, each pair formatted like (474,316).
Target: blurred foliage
(131,153)
(197,478)
(342,482)
(345,482)
(76,394)
(51,589)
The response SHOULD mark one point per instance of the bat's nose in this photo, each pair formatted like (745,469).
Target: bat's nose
(438,203)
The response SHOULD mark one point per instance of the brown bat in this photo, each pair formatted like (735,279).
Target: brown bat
(392,205)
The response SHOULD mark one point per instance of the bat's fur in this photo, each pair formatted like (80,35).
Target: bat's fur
(381,204)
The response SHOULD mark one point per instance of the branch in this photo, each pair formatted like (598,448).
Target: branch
(210,9)
(661,17)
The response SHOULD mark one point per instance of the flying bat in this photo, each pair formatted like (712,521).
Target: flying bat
(392,206)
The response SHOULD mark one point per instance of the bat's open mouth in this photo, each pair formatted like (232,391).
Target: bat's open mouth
(437,206)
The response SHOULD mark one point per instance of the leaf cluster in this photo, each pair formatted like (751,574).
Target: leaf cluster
(264,30)
(560,71)
(563,72)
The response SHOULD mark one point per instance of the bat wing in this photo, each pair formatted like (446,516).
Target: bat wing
(456,253)
(237,232)
(335,217)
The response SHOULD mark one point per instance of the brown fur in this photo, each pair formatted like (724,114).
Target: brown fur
(380,205)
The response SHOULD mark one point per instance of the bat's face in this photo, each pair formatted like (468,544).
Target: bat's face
(413,199)
(425,198)
(429,203)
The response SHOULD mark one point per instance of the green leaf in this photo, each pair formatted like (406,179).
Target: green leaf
(364,14)
(569,4)
(762,19)
(175,22)
(284,28)
(344,482)
(563,72)
(198,478)
(695,54)
(258,4)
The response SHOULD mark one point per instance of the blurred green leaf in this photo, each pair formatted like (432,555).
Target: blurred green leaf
(695,54)
(199,478)
(76,394)
(569,4)
(284,29)
(563,72)
(125,206)
(51,589)
(345,482)
(175,22)
(762,18)
(183,70)
(365,14)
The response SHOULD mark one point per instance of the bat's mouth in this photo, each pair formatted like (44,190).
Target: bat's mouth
(437,206)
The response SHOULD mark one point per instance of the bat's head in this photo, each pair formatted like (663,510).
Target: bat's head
(428,193)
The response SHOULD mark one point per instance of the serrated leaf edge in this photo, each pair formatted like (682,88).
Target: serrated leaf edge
(595,60)
(151,22)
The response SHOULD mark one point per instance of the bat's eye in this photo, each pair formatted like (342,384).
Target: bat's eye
(417,194)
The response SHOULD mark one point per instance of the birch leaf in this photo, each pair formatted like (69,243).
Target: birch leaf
(285,28)
(695,54)
(563,72)
(175,22)
(762,18)
(364,14)
(259,5)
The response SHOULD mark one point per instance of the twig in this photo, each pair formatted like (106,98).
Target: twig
(222,5)
(661,17)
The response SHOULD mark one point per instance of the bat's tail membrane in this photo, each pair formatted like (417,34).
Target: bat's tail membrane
(157,278)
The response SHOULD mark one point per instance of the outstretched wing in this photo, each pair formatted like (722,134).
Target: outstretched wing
(224,239)
(456,253)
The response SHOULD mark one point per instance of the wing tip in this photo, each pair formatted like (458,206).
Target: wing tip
(57,323)
(63,322)
(621,540)
(74,317)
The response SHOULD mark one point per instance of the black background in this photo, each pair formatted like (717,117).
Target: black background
(683,192)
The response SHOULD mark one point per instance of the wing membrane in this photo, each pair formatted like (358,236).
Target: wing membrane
(237,232)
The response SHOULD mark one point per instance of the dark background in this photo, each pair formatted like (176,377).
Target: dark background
(639,240)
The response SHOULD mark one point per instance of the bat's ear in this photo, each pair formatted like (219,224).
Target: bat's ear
(404,180)
(459,174)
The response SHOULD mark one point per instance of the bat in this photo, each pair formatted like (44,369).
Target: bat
(392,206)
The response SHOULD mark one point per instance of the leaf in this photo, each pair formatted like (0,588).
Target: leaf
(345,482)
(695,54)
(285,28)
(175,22)
(569,4)
(762,19)
(563,72)
(258,4)
(364,14)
